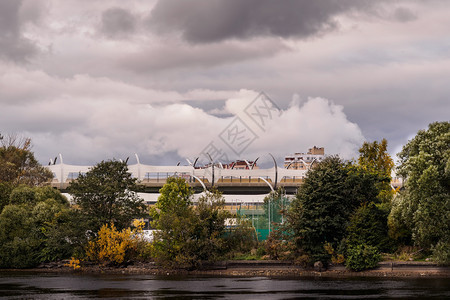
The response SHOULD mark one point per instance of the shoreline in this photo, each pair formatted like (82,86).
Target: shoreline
(390,269)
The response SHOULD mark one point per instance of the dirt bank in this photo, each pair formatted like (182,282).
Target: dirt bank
(259,268)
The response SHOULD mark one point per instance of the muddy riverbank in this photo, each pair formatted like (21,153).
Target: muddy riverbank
(265,268)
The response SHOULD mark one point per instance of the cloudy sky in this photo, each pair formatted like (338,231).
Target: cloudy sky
(171,79)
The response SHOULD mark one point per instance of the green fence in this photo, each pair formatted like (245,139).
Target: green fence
(266,216)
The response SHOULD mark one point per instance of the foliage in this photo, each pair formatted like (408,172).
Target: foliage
(46,192)
(19,246)
(74,263)
(276,205)
(330,194)
(336,258)
(240,237)
(209,226)
(18,164)
(375,158)
(112,246)
(441,251)
(424,207)
(187,235)
(280,245)
(51,227)
(5,192)
(105,195)
(369,226)
(23,194)
(362,257)
(172,218)
(31,233)
(175,196)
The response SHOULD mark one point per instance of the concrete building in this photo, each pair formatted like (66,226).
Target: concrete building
(305,161)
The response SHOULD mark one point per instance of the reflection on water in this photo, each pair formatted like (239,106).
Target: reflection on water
(77,286)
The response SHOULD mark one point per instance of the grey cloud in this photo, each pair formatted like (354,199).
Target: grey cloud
(176,56)
(203,21)
(404,14)
(13,45)
(117,22)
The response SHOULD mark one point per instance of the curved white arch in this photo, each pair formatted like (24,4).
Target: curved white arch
(201,182)
(268,183)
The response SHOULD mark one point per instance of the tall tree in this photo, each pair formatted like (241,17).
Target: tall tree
(106,195)
(330,194)
(18,164)
(424,206)
(375,158)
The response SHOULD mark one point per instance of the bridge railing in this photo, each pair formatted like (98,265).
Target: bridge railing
(64,173)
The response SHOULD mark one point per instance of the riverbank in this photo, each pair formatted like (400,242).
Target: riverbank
(264,268)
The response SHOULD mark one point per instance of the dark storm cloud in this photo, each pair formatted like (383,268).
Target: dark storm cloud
(203,21)
(117,22)
(13,45)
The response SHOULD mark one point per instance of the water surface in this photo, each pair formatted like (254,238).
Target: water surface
(20,285)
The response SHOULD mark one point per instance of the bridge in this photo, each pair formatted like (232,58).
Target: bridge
(230,181)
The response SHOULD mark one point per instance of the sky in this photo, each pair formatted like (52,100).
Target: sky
(172,80)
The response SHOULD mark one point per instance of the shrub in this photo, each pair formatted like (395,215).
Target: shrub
(19,253)
(368,225)
(441,252)
(362,257)
(111,246)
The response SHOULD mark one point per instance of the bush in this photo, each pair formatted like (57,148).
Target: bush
(369,226)
(112,246)
(362,257)
(19,253)
(441,252)
(23,195)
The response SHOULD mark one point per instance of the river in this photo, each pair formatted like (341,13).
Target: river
(20,285)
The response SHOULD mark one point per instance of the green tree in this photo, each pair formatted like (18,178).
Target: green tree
(34,232)
(424,207)
(321,211)
(187,235)
(23,194)
(5,192)
(209,227)
(368,226)
(18,164)
(106,195)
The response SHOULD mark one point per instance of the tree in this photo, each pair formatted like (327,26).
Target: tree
(173,218)
(186,234)
(18,164)
(321,211)
(37,231)
(375,158)
(424,207)
(5,192)
(106,195)
(368,226)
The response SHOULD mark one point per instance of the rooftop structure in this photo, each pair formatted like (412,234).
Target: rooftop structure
(305,161)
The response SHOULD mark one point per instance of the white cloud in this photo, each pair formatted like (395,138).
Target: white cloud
(89,129)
